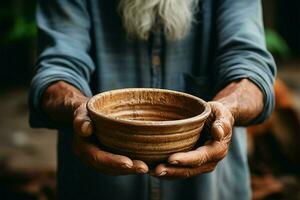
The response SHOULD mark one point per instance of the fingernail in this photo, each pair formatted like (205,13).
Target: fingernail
(220,129)
(162,173)
(174,162)
(126,166)
(141,171)
(219,133)
(86,128)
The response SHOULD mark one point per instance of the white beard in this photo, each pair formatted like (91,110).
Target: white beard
(141,17)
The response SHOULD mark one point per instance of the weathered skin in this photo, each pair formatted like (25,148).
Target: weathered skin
(237,104)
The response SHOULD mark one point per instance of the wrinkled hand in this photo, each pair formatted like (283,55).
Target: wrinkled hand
(205,158)
(92,155)
(65,104)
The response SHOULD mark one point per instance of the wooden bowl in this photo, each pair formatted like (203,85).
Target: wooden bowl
(147,124)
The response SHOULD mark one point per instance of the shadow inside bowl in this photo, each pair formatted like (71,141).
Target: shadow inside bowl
(145,105)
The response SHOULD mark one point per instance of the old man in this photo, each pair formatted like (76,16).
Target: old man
(213,49)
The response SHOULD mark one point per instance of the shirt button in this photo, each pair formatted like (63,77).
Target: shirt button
(156,60)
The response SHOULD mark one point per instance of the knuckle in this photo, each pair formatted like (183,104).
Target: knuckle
(188,174)
(219,122)
(68,103)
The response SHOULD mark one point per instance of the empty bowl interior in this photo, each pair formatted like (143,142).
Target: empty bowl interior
(147,105)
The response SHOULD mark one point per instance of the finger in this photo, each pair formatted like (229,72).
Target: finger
(140,167)
(92,155)
(82,123)
(222,122)
(212,151)
(173,172)
(221,129)
(217,130)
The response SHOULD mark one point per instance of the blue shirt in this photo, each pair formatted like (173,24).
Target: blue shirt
(84,43)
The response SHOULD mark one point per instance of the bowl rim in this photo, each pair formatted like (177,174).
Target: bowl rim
(200,117)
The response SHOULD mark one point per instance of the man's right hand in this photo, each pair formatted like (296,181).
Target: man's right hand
(65,104)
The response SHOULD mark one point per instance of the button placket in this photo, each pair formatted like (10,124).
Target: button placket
(156,82)
(156,64)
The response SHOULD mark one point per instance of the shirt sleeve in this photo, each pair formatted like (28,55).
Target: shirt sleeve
(241,50)
(63,46)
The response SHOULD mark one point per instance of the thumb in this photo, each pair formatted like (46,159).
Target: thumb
(82,123)
(222,123)
(217,130)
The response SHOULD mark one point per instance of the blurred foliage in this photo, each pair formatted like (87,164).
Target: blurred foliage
(17,20)
(277,45)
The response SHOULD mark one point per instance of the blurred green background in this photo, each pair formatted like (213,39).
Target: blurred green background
(17,41)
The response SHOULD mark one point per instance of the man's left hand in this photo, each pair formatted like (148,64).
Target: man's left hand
(205,158)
